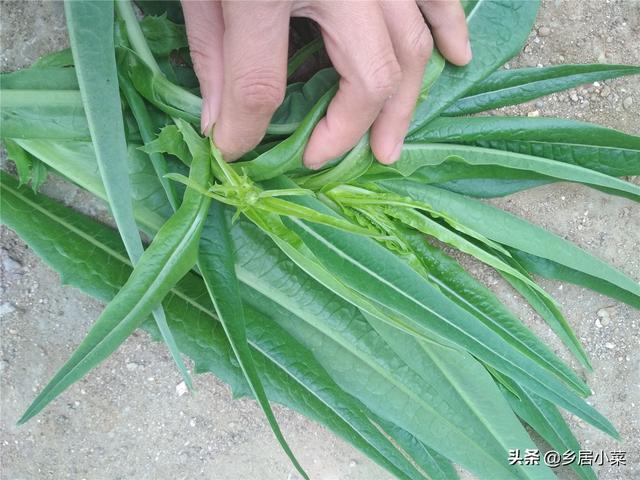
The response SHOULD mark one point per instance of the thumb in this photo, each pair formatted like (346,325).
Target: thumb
(205,32)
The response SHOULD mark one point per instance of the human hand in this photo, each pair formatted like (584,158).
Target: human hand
(379,48)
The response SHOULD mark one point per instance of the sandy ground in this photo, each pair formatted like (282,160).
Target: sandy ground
(128,420)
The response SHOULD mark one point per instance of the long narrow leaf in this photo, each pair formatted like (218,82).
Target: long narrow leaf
(416,156)
(167,259)
(461,287)
(216,261)
(497,31)
(591,146)
(510,87)
(512,231)
(91,34)
(291,373)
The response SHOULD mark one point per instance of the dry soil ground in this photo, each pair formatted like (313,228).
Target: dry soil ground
(127,420)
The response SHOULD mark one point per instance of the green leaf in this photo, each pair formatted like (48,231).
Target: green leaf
(380,276)
(590,146)
(91,34)
(435,465)
(43,114)
(548,310)
(510,87)
(302,55)
(216,262)
(171,8)
(21,158)
(453,280)
(489,187)
(77,162)
(290,373)
(474,387)
(157,89)
(287,155)
(514,232)
(168,258)
(170,141)
(556,271)
(40,78)
(252,252)
(299,100)
(431,73)
(163,36)
(355,164)
(90,26)
(497,31)
(415,156)
(545,418)
(145,126)
(38,174)
(61,58)
(361,362)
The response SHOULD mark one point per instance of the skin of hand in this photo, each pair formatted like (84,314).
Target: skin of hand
(379,48)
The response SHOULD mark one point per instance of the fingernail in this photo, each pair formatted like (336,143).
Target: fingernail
(314,166)
(469,51)
(395,153)
(205,120)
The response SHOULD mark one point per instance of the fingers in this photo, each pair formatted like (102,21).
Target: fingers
(412,44)
(449,29)
(358,43)
(255,69)
(205,30)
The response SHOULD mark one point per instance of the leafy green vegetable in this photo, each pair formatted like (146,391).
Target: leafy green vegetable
(509,87)
(415,156)
(163,36)
(95,64)
(322,290)
(596,148)
(295,378)
(497,30)
(511,231)
(172,254)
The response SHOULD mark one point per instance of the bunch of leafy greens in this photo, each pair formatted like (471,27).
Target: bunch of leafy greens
(323,291)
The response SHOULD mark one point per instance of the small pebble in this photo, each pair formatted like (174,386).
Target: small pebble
(544,31)
(602,58)
(181,389)
(9,264)
(527,49)
(535,113)
(539,104)
(605,92)
(353,463)
(627,102)
(610,345)
(131,366)
(598,323)
(604,316)
(573,96)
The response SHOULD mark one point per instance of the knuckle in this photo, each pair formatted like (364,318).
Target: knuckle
(418,43)
(259,90)
(383,79)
